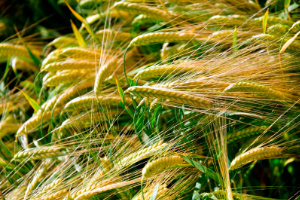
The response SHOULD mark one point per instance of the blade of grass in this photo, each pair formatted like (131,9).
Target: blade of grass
(78,36)
(121,93)
(286,5)
(5,149)
(208,172)
(6,70)
(265,21)
(80,18)
(31,101)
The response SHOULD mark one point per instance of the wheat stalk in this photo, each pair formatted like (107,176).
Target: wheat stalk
(48,105)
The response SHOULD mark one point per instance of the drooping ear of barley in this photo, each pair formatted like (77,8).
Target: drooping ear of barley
(161,37)
(143,19)
(52,57)
(220,20)
(142,154)
(35,121)
(38,175)
(169,94)
(166,70)
(57,79)
(87,120)
(71,92)
(93,186)
(63,41)
(156,166)
(48,105)
(89,101)
(40,153)
(55,195)
(273,42)
(272,20)
(73,64)
(258,89)
(7,49)
(141,9)
(94,192)
(109,34)
(277,29)
(6,128)
(259,153)
(85,54)
(246,132)
(110,14)
(102,74)
(50,186)
(19,64)
(107,166)
(295,27)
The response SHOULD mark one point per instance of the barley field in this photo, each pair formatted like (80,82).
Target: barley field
(150,99)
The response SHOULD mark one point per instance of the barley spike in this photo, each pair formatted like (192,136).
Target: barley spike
(156,166)
(260,153)
(173,95)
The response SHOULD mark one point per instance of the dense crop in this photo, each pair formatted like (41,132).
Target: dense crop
(154,99)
